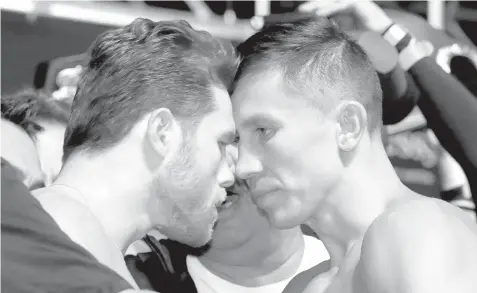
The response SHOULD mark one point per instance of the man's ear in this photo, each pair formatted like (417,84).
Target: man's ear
(352,121)
(163,132)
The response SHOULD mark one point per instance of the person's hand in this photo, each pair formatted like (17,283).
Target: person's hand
(328,7)
(368,12)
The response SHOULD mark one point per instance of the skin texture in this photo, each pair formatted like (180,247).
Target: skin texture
(276,148)
(245,249)
(105,201)
(49,146)
(200,172)
(305,166)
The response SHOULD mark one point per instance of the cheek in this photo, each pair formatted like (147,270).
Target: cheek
(293,210)
(204,169)
(305,165)
(206,149)
(208,158)
(288,159)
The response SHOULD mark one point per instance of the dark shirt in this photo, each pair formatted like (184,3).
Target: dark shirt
(37,256)
(400,95)
(451,112)
(164,269)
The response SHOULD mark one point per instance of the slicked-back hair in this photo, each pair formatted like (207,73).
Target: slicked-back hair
(142,67)
(318,62)
(27,106)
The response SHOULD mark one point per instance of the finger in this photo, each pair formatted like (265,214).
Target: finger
(307,7)
(332,9)
(313,5)
(328,11)
(325,8)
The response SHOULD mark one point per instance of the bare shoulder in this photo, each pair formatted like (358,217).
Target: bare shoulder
(433,217)
(76,221)
(68,213)
(422,244)
(300,282)
(58,205)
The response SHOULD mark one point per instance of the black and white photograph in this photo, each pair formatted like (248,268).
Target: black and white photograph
(323,146)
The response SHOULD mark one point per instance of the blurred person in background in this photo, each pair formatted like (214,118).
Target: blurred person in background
(145,144)
(246,253)
(33,124)
(454,186)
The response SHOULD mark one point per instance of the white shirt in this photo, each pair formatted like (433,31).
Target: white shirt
(207,282)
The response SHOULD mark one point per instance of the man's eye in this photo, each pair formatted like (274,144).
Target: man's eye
(265,133)
(236,140)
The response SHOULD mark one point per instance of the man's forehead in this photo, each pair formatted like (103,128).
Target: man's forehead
(222,118)
(259,99)
(258,87)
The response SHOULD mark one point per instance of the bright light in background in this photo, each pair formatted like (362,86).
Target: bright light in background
(109,13)
(436,13)
(68,10)
(25,6)
(262,7)
(87,14)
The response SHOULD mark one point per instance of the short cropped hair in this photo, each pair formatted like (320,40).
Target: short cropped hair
(145,66)
(313,56)
(26,107)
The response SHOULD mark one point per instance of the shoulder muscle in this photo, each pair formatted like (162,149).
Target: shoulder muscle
(419,247)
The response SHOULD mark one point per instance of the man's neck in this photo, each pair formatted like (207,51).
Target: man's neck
(343,217)
(101,185)
(251,267)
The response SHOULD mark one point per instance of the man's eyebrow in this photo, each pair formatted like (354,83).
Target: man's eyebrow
(258,119)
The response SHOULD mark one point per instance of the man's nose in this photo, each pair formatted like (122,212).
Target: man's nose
(231,157)
(248,165)
(225,177)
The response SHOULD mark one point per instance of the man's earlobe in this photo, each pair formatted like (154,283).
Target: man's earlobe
(161,131)
(352,119)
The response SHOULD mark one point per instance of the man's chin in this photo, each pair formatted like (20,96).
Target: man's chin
(280,222)
(197,243)
(199,240)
